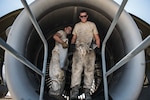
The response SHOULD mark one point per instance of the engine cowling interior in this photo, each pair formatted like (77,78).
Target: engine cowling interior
(54,15)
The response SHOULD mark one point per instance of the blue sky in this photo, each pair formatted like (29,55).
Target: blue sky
(7,6)
(138,8)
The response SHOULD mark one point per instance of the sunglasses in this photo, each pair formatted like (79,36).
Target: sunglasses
(83,16)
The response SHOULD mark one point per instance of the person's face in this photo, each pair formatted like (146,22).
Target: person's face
(83,17)
(68,29)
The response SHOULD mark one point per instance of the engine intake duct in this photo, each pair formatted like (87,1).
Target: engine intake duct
(124,84)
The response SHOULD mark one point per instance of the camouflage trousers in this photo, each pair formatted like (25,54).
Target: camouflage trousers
(83,61)
(57,75)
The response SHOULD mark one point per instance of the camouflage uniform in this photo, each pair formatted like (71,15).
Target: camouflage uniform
(84,56)
(56,73)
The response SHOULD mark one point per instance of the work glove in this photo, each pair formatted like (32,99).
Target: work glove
(97,50)
(72,48)
(64,45)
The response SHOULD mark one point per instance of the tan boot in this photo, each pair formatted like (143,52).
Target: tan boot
(87,94)
(74,93)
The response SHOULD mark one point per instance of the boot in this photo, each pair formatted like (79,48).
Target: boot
(87,94)
(74,93)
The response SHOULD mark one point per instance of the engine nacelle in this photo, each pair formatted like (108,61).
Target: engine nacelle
(126,83)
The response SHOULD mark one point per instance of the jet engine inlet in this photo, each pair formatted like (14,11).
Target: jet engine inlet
(125,84)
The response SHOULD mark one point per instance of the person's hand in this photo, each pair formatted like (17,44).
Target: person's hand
(64,45)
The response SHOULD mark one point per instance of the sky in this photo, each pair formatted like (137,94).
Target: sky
(139,8)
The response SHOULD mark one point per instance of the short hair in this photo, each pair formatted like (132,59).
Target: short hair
(83,11)
(67,25)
